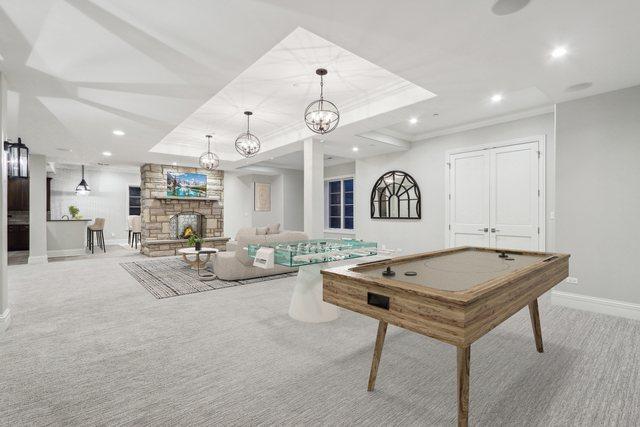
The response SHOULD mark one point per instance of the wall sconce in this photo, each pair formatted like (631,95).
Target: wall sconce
(17,159)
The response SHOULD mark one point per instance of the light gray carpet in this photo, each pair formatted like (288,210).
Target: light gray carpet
(89,347)
(170,276)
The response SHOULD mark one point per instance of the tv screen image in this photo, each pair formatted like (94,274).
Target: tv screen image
(186,184)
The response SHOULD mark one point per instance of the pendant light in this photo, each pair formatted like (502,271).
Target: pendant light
(322,116)
(83,188)
(17,159)
(209,160)
(247,144)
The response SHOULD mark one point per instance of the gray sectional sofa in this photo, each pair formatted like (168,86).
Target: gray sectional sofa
(235,264)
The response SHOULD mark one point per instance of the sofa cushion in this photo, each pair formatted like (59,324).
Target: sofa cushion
(246,233)
(273,228)
(261,231)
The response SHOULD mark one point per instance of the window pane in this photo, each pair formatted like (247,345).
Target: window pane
(134,211)
(348,223)
(334,222)
(348,198)
(334,199)
(134,191)
(134,201)
(348,210)
(334,211)
(334,186)
(348,185)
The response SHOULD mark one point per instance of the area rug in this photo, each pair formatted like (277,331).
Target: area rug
(170,277)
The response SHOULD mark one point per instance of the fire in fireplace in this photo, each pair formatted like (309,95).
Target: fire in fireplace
(185,224)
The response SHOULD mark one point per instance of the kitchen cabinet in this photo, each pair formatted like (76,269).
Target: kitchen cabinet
(18,237)
(18,194)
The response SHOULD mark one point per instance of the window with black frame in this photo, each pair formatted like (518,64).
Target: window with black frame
(339,204)
(134,200)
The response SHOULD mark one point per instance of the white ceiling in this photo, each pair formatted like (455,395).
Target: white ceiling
(278,87)
(79,69)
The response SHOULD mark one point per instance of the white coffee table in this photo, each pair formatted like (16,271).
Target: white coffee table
(197,263)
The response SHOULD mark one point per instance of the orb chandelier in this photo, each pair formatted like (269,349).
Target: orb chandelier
(247,144)
(209,160)
(321,116)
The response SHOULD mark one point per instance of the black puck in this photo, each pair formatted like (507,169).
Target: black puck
(388,272)
(410,273)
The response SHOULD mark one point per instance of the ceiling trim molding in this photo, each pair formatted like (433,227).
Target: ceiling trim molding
(483,123)
(386,139)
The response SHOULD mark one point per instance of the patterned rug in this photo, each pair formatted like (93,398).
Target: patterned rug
(170,277)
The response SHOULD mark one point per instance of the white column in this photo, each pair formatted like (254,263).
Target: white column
(4,285)
(37,209)
(313,188)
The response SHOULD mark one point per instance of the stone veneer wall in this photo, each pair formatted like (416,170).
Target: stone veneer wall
(156,210)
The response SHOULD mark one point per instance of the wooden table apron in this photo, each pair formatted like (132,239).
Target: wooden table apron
(457,318)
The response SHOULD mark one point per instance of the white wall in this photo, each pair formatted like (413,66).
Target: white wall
(425,161)
(293,201)
(37,209)
(598,189)
(109,196)
(4,285)
(286,201)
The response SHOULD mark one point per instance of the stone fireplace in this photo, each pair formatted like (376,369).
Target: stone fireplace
(165,218)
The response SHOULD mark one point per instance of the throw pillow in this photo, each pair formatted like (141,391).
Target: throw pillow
(273,228)
(261,230)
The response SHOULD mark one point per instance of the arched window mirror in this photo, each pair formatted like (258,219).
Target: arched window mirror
(395,195)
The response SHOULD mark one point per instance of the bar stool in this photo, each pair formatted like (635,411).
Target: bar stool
(96,230)
(130,226)
(136,230)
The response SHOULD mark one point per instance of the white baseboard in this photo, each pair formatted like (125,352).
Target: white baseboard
(5,319)
(65,252)
(115,241)
(596,305)
(41,259)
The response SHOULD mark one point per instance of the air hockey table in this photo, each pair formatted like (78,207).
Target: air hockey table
(454,295)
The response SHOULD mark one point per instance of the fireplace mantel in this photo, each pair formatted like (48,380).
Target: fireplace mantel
(203,199)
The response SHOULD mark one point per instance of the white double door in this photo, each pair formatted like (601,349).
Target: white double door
(495,197)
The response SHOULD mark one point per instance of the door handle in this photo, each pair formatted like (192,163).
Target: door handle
(483,229)
(495,230)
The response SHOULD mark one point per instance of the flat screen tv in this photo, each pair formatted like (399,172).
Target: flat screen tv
(186,184)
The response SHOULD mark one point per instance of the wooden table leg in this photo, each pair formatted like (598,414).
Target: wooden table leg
(535,324)
(377,352)
(464,356)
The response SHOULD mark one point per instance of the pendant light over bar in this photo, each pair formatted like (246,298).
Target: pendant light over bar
(83,188)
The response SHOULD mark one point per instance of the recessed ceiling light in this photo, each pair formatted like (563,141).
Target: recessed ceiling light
(322,140)
(436,115)
(354,149)
(413,120)
(579,86)
(68,150)
(507,7)
(559,52)
(174,164)
(106,153)
(496,98)
(118,132)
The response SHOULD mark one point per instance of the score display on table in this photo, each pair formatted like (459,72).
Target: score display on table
(316,251)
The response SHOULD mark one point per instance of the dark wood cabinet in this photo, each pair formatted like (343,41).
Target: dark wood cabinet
(18,237)
(18,194)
